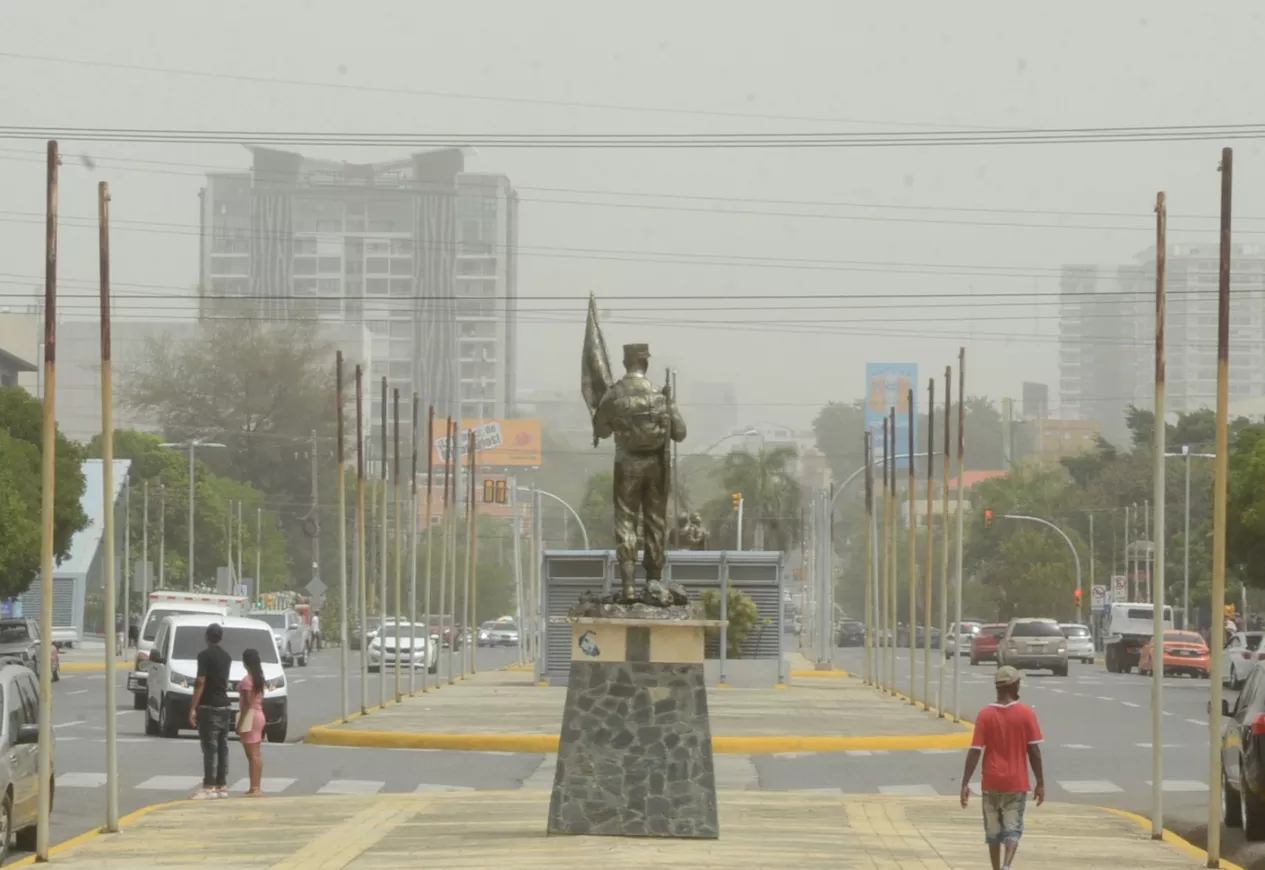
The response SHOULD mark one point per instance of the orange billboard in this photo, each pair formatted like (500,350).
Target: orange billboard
(498,444)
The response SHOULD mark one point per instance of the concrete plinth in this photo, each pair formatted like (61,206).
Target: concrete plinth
(635,752)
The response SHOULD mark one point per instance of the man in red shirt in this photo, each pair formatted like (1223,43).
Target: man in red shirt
(1008,735)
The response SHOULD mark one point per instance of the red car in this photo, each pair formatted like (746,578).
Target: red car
(984,646)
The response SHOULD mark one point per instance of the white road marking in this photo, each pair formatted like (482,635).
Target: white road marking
(351,786)
(1076,746)
(924,790)
(1201,723)
(71,724)
(1130,704)
(1105,698)
(170,783)
(1162,745)
(1181,785)
(939,751)
(1089,786)
(78,692)
(267,784)
(80,780)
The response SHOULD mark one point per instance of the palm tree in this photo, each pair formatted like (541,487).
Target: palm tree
(771,496)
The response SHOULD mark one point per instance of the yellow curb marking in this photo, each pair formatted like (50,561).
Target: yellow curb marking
(1169,837)
(93,667)
(835,674)
(87,836)
(337,847)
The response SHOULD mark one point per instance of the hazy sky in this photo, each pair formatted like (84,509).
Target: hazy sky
(895,224)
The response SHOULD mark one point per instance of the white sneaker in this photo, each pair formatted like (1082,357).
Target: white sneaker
(221,792)
(204,794)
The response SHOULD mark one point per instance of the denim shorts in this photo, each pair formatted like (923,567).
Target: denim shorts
(1003,815)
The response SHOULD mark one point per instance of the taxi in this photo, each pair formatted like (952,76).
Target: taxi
(1184,653)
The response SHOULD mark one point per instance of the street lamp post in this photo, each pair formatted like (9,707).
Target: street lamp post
(1187,455)
(192,445)
(1070,546)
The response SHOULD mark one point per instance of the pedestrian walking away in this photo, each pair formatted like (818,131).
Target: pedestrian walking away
(250,721)
(1009,737)
(210,713)
(134,629)
(317,641)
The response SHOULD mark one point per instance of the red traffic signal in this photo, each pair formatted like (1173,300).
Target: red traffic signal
(988,519)
(1078,596)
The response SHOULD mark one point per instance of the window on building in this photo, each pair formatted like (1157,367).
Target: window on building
(401,246)
(330,286)
(401,329)
(401,287)
(305,265)
(376,286)
(303,286)
(402,266)
(330,265)
(377,265)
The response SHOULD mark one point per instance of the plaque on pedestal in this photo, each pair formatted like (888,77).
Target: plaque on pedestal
(635,752)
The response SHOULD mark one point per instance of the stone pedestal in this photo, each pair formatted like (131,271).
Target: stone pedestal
(635,754)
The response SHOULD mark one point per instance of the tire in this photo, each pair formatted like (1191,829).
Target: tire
(433,669)
(276,733)
(151,727)
(1231,811)
(1253,806)
(24,839)
(303,661)
(1234,680)
(1061,672)
(57,674)
(974,662)
(167,724)
(138,702)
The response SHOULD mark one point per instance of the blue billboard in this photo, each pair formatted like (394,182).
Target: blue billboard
(887,386)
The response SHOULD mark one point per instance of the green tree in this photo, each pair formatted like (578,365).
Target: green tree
(261,389)
(597,509)
(771,497)
(21,453)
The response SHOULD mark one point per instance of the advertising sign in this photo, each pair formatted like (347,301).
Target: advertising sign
(887,386)
(498,443)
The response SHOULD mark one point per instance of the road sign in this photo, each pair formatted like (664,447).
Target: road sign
(1119,588)
(316,588)
(1098,597)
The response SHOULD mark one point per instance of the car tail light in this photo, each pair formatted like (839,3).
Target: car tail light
(1258,725)
(1246,654)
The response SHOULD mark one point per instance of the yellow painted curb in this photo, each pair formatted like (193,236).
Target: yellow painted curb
(86,836)
(1169,837)
(520,669)
(965,723)
(821,675)
(93,667)
(546,744)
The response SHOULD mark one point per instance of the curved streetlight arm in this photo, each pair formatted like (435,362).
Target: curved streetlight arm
(1051,525)
(854,475)
(583,530)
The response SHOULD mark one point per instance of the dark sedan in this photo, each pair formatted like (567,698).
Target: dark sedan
(849,632)
(1243,758)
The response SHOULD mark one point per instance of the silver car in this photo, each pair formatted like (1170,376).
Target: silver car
(1080,642)
(1034,644)
(960,638)
(19,759)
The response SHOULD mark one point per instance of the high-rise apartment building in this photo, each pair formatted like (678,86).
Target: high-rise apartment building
(417,250)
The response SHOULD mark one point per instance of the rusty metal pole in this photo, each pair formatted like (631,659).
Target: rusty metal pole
(472,581)
(412,568)
(47,507)
(1216,637)
(869,557)
(913,552)
(383,566)
(893,563)
(399,555)
(1157,535)
(444,603)
(430,552)
(885,596)
(944,545)
(340,406)
(929,570)
(957,604)
(361,568)
(107,471)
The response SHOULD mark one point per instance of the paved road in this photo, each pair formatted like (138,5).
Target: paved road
(152,769)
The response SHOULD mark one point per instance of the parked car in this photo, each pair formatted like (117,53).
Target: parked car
(19,752)
(1080,642)
(290,632)
(984,644)
(1243,757)
(959,639)
(920,633)
(20,643)
(1184,653)
(1034,644)
(1242,652)
(850,632)
(173,668)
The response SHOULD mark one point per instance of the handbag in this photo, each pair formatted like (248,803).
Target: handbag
(246,721)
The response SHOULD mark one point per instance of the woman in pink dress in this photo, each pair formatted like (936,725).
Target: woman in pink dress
(250,718)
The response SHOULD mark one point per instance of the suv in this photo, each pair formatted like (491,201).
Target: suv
(1034,644)
(173,669)
(19,767)
(290,632)
(1243,757)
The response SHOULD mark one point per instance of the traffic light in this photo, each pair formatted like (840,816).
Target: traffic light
(737,501)
(1078,598)
(502,492)
(489,491)
(988,519)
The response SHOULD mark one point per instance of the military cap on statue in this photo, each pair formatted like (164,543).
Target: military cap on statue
(637,351)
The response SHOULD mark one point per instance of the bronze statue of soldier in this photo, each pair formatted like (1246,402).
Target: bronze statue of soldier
(644,421)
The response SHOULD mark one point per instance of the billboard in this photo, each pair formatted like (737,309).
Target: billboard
(887,386)
(498,443)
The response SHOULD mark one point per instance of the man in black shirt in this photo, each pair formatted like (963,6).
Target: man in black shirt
(210,713)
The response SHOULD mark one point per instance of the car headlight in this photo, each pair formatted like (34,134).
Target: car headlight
(274,683)
(183,681)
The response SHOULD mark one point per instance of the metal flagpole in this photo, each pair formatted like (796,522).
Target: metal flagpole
(412,569)
(869,559)
(912,537)
(893,612)
(383,567)
(362,580)
(929,573)
(472,579)
(957,605)
(882,596)
(430,549)
(444,575)
(399,556)
(944,545)
(524,638)
(344,702)
(1157,535)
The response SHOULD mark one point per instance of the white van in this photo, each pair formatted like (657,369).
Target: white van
(173,671)
(162,605)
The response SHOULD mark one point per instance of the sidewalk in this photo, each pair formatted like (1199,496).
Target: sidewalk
(506,711)
(502,829)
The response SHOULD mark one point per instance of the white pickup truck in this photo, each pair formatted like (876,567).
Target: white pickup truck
(162,605)
(294,640)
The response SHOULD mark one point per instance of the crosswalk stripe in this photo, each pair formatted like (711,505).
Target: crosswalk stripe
(1089,786)
(351,786)
(922,790)
(80,780)
(170,783)
(267,784)
(1076,746)
(939,751)
(1181,785)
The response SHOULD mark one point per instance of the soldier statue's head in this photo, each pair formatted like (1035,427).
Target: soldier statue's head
(697,519)
(637,358)
(683,519)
